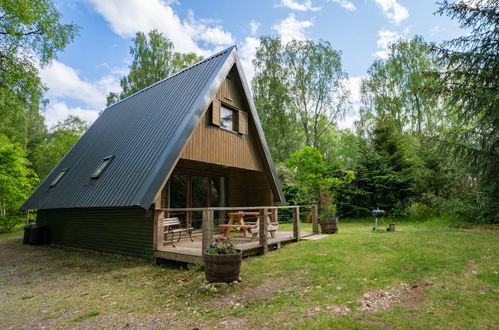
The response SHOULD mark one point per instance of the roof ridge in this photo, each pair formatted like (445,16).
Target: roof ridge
(173,75)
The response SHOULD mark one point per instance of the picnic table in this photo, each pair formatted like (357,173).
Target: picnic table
(236,221)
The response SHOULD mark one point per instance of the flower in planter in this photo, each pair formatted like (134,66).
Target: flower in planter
(222,245)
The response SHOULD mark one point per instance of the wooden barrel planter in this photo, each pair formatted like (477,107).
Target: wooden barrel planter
(329,225)
(220,268)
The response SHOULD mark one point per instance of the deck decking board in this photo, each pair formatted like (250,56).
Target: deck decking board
(190,252)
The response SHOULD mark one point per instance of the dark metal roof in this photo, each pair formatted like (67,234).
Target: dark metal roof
(145,134)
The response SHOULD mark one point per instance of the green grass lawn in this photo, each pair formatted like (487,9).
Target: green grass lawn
(442,277)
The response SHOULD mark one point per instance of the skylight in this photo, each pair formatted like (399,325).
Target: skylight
(58,177)
(105,162)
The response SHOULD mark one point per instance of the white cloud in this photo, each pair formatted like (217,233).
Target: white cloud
(353,85)
(126,17)
(65,84)
(59,111)
(348,5)
(63,81)
(295,5)
(247,54)
(386,38)
(290,28)
(393,10)
(254,27)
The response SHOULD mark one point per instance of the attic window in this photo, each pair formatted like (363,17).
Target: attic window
(105,162)
(227,118)
(58,177)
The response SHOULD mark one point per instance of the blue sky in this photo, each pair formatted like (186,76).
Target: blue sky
(90,67)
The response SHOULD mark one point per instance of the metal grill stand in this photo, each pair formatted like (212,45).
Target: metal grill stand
(377,214)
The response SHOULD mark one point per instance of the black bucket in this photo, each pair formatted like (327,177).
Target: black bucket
(27,233)
(37,234)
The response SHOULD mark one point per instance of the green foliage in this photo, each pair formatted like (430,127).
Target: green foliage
(315,80)
(299,92)
(17,181)
(272,100)
(153,59)
(306,180)
(470,83)
(393,89)
(384,176)
(56,144)
(30,33)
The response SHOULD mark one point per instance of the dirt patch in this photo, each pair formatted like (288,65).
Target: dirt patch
(266,290)
(410,296)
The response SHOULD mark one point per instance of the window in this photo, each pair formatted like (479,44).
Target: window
(105,162)
(227,118)
(58,177)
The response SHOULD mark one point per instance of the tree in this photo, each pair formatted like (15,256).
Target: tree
(316,86)
(272,99)
(51,150)
(384,175)
(299,92)
(30,34)
(469,81)
(394,89)
(153,59)
(17,181)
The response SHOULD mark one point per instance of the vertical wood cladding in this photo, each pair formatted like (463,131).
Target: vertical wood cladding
(124,231)
(211,144)
(249,189)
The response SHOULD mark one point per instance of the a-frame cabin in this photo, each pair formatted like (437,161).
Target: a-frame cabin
(191,140)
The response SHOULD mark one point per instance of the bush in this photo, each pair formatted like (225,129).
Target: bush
(421,211)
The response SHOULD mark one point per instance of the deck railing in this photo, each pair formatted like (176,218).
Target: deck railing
(208,221)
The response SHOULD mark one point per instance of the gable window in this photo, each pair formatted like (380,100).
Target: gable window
(58,177)
(100,169)
(227,118)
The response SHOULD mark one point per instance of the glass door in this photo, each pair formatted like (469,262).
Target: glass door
(186,190)
(199,198)
(178,191)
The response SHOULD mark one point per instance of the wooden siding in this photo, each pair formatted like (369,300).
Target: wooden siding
(249,189)
(124,231)
(231,93)
(212,144)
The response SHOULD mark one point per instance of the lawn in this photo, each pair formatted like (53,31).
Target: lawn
(423,275)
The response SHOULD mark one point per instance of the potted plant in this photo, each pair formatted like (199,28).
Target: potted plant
(329,225)
(222,261)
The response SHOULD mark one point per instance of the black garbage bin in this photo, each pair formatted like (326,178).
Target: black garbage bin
(27,233)
(36,235)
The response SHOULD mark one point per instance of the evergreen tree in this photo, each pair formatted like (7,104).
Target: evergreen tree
(153,59)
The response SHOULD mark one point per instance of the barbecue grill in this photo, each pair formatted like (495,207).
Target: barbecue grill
(377,214)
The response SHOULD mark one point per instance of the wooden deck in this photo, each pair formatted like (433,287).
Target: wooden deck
(190,252)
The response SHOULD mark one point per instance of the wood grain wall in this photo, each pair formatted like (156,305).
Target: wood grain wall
(212,144)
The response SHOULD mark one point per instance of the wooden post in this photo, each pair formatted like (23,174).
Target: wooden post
(274,216)
(263,230)
(315,224)
(296,223)
(207,228)
(159,230)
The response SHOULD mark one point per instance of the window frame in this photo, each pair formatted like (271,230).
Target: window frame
(234,118)
(104,164)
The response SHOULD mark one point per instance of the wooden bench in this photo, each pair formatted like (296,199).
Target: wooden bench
(253,227)
(172,226)
(228,228)
(271,228)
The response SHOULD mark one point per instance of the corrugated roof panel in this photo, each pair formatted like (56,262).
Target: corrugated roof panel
(136,130)
(145,133)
